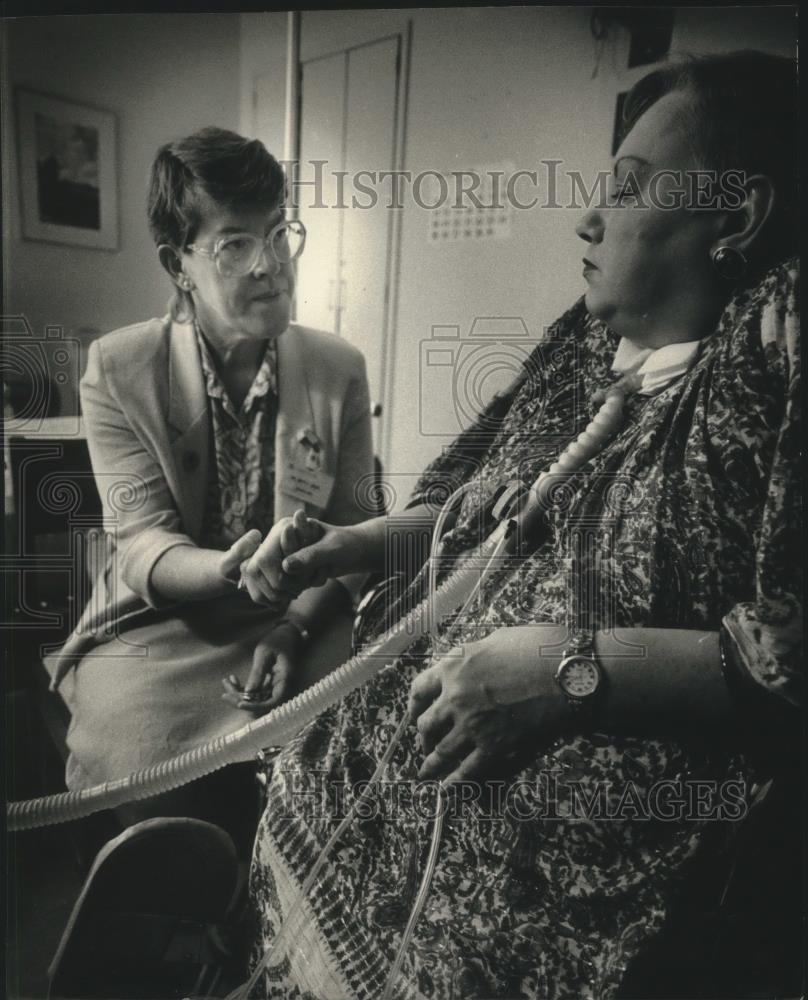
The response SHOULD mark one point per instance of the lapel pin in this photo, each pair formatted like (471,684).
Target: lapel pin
(308,438)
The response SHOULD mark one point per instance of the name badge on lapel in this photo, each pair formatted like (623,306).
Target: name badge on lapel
(305,478)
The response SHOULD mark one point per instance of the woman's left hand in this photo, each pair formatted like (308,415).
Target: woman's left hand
(274,661)
(485,704)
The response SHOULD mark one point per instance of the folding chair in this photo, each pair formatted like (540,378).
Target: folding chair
(150,919)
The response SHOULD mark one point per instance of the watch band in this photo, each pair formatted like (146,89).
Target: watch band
(580,641)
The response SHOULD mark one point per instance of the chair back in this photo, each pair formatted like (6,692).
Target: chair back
(147,921)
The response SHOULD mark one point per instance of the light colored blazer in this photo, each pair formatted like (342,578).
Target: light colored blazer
(148,429)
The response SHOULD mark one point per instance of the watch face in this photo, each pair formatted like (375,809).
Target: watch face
(579,677)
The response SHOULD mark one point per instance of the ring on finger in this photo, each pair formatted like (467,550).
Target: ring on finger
(257,695)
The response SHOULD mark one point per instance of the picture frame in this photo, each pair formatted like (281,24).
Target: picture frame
(68,166)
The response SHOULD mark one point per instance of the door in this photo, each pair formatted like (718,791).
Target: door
(366,250)
(349,128)
(321,139)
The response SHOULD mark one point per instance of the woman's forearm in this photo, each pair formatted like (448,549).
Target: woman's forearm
(659,679)
(382,541)
(318,605)
(487,700)
(188,573)
(655,680)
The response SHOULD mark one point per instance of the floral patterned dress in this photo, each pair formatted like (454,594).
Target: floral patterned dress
(691,515)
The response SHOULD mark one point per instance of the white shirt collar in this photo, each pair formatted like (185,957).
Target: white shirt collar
(657,366)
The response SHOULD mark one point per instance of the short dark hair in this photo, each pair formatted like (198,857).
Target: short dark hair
(214,164)
(744,117)
(228,168)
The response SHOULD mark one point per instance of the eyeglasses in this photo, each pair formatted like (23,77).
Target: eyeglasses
(238,253)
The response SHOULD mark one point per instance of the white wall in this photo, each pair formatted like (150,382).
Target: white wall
(262,78)
(505,85)
(163,76)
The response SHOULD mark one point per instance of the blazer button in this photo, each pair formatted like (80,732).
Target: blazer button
(190,461)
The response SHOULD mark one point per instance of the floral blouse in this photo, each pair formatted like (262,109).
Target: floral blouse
(241,484)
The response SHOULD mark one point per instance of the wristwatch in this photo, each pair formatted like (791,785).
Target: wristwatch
(579,675)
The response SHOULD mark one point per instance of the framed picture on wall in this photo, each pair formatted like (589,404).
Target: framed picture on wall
(68,172)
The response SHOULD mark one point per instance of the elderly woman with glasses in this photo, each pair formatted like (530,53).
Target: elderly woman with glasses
(205,427)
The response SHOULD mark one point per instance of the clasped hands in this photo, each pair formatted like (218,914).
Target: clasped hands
(257,564)
(260,565)
(480,708)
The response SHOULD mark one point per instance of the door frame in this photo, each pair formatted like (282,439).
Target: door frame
(294,115)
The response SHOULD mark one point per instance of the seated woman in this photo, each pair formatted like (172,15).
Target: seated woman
(204,427)
(618,680)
